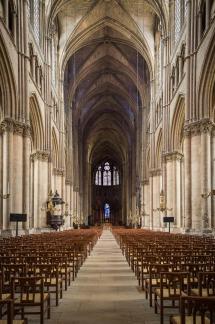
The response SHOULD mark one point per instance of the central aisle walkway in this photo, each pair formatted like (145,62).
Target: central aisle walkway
(105,292)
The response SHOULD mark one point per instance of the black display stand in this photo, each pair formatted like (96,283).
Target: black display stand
(18,218)
(168,219)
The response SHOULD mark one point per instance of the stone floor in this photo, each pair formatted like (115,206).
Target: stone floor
(105,292)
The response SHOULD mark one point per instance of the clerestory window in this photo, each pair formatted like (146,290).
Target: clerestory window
(35,14)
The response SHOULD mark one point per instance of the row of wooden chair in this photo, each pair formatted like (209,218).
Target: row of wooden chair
(169,267)
(34,267)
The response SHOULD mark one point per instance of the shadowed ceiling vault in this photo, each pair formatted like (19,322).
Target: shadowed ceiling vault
(106,50)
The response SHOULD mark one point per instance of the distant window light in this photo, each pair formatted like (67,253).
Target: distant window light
(107,175)
(180,13)
(177,19)
(107,211)
(35,18)
(98,180)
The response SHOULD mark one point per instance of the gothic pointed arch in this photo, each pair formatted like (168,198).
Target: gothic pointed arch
(7,83)
(178,124)
(1,10)
(159,149)
(55,149)
(36,123)
(206,84)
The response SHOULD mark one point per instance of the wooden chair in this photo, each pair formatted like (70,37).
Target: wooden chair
(10,271)
(194,270)
(171,289)
(30,293)
(52,282)
(153,280)
(197,310)
(206,285)
(9,303)
(3,295)
(145,262)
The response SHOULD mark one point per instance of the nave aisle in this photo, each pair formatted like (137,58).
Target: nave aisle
(105,292)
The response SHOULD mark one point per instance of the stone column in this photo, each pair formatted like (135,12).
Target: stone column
(146,201)
(180,68)
(7,128)
(174,186)
(195,180)
(17,172)
(71,203)
(206,128)
(208,7)
(151,202)
(69,200)
(14,26)
(6,183)
(89,196)
(177,73)
(199,26)
(1,176)
(154,198)
(213,178)
(38,75)
(170,181)
(33,66)
(40,162)
(187,178)
(187,69)
(200,172)
(6,10)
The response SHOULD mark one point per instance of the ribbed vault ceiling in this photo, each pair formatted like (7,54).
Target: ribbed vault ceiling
(106,77)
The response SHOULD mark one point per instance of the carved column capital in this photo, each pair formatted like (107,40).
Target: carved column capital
(15,126)
(172,156)
(204,125)
(59,172)
(27,131)
(68,182)
(41,156)
(155,172)
(18,128)
(7,125)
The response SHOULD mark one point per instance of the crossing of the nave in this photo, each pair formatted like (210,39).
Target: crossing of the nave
(107,144)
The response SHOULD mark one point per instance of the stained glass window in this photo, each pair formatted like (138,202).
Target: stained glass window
(107,175)
(35,18)
(115,176)
(107,211)
(180,12)
(177,19)
(98,180)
